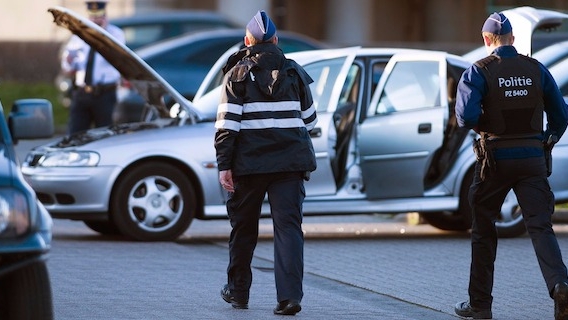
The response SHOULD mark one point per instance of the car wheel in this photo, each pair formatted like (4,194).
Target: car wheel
(459,220)
(509,223)
(154,201)
(102,227)
(26,293)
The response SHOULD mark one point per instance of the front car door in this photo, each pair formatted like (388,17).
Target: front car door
(329,69)
(404,125)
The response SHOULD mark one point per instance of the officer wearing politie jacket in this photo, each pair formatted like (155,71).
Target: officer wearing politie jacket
(503,97)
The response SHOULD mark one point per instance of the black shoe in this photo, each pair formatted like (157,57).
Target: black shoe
(287,308)
(464,309)
(237,304)
(560,295)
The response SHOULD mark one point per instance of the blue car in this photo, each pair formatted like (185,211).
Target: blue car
(25,225)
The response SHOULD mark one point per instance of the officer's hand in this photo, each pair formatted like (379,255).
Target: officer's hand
(226,180)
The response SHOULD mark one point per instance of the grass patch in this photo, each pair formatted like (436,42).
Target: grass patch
(12,91)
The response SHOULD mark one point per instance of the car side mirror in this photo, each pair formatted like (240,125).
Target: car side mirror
(31,119)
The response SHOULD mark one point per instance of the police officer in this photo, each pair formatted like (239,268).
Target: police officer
(502,97)
(263,146)
(94,95)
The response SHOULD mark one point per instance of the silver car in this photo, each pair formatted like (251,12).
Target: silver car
(386,142)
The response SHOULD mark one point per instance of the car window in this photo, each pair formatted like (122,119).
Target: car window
(350,91)
(324,74)
(138,36)
(411,85)
(198,26)
(206,54)
(203,53)
(291,45)
(378,67)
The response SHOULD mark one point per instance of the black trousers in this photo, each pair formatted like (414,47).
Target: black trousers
(285,195)
(91,108)
(527,178)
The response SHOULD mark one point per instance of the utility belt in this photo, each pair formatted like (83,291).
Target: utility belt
(97,89)
(484,147)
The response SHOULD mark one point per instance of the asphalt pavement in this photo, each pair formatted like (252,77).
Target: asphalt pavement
(356,267)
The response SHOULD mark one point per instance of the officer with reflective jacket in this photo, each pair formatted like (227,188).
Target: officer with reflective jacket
(264,147)
(503,97)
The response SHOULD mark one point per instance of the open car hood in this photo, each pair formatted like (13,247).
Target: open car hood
(147,82)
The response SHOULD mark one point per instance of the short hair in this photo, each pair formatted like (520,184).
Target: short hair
(504,39)
(253,40)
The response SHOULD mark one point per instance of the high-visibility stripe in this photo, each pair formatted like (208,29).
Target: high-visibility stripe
(228,124)
(271,123)
(271,106)
(229,107)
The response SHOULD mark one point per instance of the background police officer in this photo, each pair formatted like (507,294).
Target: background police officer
(94,96)
(502,97)
(264,147)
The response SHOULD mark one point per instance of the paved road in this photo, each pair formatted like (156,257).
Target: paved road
(357,267)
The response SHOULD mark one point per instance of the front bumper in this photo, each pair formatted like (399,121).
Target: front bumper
(72,190)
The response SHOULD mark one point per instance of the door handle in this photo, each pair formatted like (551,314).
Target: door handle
(425,128)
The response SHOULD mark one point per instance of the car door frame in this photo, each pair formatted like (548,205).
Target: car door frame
(395,149)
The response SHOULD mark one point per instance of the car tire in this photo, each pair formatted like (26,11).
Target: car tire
(459,220)
(508,225)
(26,293)
(103,227)
(154,201)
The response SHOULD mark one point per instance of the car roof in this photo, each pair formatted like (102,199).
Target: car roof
(171,16)
(168,44)
(553,54)
(525,21)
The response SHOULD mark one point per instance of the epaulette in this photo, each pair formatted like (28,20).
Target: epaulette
(533,60)
(485,61)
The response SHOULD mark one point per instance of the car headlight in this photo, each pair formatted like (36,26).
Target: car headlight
(14,213)
(69,159)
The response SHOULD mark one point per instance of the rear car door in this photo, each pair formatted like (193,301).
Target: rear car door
(404,125)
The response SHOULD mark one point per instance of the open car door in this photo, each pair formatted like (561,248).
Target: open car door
(404,125)
(329,70)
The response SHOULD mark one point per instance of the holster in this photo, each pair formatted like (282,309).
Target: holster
(484,155)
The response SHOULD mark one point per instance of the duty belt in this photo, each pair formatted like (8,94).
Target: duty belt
(98,88)
(483,149)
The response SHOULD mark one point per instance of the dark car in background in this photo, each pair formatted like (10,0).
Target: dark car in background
(25,225)
(146,28)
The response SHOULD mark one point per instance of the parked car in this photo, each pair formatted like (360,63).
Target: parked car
(25,225)
(544,26)
(553,54)
(560,73)
(143,29)
(386,142)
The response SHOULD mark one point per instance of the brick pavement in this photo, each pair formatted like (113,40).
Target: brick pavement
(395,263)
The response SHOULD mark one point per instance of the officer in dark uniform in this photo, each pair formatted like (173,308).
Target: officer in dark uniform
(263,146)
(94,95)
(502,97)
